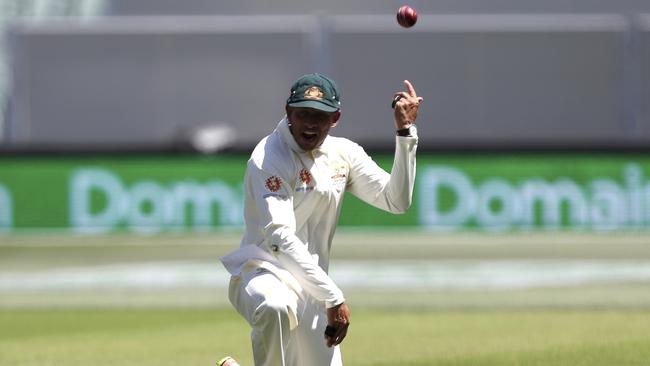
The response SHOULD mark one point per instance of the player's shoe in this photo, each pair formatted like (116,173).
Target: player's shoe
(227,361)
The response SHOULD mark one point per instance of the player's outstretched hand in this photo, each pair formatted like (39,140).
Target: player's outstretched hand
(406,104)
(338,321)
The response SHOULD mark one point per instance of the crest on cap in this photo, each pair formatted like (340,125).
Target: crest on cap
(313,92)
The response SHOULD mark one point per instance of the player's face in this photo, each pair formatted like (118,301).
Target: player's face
(310,126)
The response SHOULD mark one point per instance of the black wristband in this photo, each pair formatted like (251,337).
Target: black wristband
(404,132)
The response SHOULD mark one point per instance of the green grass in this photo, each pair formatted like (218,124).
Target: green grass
(146,337)
(117,337)
(604,324)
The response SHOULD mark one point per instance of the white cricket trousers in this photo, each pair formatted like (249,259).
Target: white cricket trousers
(269,305)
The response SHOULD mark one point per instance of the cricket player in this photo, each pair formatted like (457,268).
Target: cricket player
(294,186)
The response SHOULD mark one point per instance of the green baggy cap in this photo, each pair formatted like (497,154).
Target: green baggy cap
(315,91)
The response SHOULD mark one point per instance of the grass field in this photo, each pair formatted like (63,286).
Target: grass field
(173,337)
(591,323)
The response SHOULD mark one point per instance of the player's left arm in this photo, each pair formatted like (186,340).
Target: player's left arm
(391,192)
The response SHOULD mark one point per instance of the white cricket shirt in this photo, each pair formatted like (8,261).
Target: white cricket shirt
(293,200)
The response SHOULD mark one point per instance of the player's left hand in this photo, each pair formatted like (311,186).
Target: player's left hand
(338,320)
(406,106)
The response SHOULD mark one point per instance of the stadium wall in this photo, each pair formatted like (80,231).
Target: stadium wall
(149,82)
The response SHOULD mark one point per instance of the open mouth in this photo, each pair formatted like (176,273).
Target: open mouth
(310,136)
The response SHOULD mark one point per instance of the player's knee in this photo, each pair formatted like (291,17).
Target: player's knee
(271,310)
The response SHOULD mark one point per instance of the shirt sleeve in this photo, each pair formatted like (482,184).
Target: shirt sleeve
(273,200)
(390,192)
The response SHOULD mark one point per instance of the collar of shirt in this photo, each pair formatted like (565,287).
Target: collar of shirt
(285,133)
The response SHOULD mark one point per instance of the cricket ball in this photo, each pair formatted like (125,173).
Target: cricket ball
(407,16)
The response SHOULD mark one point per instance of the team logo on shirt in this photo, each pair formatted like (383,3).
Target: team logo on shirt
(340,177)
(305,181)
(273,183)
(305,176)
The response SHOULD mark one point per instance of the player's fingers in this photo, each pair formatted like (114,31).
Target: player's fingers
(335,334)
(414,103)
(330,335)
(330,341)
(399,96)
(402,94)
(396,99)
(342,332)
(410,88)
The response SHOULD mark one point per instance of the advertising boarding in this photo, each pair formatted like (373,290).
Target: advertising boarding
(484,192)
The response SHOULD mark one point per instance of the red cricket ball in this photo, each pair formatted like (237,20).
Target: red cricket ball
(407,16)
